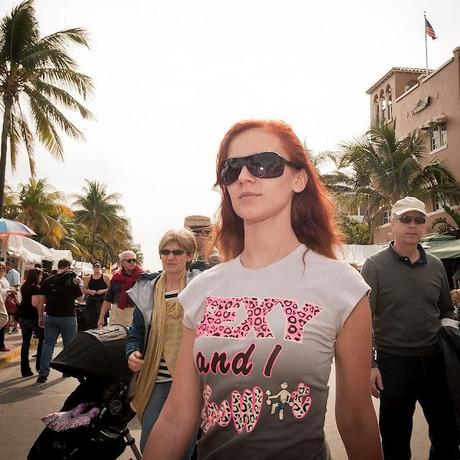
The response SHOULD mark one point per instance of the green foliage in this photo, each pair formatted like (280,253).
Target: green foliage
(355,232)
(98,211)
(38,78)
(42,208)
(92,228)
(376,170)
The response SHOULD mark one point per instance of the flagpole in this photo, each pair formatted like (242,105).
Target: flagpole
(426,44)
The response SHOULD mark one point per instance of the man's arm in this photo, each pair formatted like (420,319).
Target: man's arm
(78,291)
(104,309)
(446,307)
(370,274)
(109,299)
(39,301)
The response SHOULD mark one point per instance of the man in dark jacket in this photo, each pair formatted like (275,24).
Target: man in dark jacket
(57,301)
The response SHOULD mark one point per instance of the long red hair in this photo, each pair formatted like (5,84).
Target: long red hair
(312,215)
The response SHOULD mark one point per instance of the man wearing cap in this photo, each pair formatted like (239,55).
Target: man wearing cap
(409,300)
(201,228)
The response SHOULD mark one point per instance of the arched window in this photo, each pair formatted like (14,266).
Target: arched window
(376,109)
(388,103)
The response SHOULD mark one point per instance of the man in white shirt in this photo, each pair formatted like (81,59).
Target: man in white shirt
(12,275)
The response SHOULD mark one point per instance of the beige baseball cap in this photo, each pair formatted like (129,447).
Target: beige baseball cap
(406,204)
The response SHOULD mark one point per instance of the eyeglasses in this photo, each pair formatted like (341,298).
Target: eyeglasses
(174,252)
(265,165)
(408,219)
(130,261)
(96,266)
(202,232)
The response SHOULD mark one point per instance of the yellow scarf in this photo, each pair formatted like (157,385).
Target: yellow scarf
(164,341)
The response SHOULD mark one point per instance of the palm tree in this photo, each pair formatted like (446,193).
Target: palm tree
(375,171)
(99,212)
(10,203)
(42,208)
(38,73)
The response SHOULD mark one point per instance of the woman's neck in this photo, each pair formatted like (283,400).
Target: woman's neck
(267,242)
(173,281)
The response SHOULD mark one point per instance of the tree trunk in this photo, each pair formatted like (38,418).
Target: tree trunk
(371,226)
(8,102)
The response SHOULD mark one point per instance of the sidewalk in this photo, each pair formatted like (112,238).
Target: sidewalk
(13,342)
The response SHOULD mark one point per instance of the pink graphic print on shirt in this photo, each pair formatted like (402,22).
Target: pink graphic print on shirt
(301,401)
(244,410)
(220,313)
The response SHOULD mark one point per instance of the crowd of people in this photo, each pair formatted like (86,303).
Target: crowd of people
(232,342)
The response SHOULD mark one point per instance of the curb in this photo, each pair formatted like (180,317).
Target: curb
(14,354)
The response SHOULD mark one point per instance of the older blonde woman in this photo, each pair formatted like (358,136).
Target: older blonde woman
(156,332)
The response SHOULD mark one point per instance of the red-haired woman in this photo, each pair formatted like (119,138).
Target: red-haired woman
(261,330)
(28,319)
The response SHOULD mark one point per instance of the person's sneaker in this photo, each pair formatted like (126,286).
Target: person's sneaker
(42,379)
(4,349)
(27,373)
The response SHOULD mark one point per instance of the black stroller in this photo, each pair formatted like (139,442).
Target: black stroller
(97,359)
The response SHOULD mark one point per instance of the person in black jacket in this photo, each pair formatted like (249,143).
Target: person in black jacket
(58,293)
(28,319)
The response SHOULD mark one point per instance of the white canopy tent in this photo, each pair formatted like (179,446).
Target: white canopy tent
(29,250)
(59,254)
(356,254)
(83,268)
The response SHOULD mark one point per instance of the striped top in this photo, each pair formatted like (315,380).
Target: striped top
(163,371)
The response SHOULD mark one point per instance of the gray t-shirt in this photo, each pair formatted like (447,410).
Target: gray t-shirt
(264,346)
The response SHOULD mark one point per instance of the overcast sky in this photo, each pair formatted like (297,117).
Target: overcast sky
(172,76)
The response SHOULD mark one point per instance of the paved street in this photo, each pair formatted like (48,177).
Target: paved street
(23,403)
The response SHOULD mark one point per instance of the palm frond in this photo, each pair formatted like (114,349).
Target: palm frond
(63,97)
(69,79)
(46,131)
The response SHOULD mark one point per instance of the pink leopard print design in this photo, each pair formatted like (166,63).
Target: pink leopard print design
(212,413)
(301,401)
(246,409)
(220,313)
(223,310)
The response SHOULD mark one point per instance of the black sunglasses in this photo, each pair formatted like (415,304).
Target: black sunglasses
(265,165)
(202,232)
(130,261)
(174,252)
(408,219)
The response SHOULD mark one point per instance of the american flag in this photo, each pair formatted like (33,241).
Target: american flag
(429,30)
